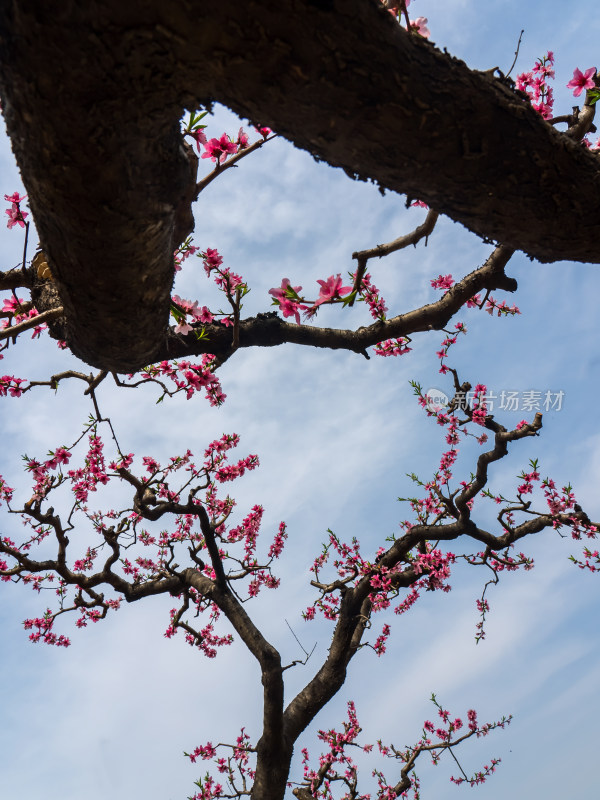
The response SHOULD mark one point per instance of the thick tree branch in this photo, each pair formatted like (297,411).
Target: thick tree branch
(274,749)
(15,279)
(352,621)
(92,96)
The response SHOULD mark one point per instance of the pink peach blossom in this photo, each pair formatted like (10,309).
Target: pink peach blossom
(582,80)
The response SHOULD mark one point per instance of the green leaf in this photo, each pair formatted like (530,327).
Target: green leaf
(291,293)
(177,313)
(195,118)
(592,96)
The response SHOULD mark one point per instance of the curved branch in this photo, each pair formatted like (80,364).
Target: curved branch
(380,250)
(584,123)
(414,237)
(269,330)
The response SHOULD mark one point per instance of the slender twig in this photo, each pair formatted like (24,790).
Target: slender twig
(24,255)
(516,54)
(236,318)
(15,330)
(450,750)
(54,380)
(306,653)
(231,162)
(420,232)
(25,245)
(362,256)
(405,12)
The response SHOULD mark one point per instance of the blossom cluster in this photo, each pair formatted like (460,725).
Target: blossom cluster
(225,279)
(535,85)
(183,252)
(398,9)
(16,216)
(15,310)
(351,567)
(9,385)
(561,503)
(288,298)
(230,283)
(336,766)
(446,282)
(393,347)
(153,491)
(446,344)
(502,309)
(371,296)
(319,781)
(191,309)
(187,377)
(42,630)
(217,149)
(591,560)
(431,509)
(233,768)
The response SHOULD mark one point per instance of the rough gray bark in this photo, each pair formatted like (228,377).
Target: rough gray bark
(93,92)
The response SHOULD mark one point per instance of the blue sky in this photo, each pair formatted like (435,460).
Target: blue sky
(335,434)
